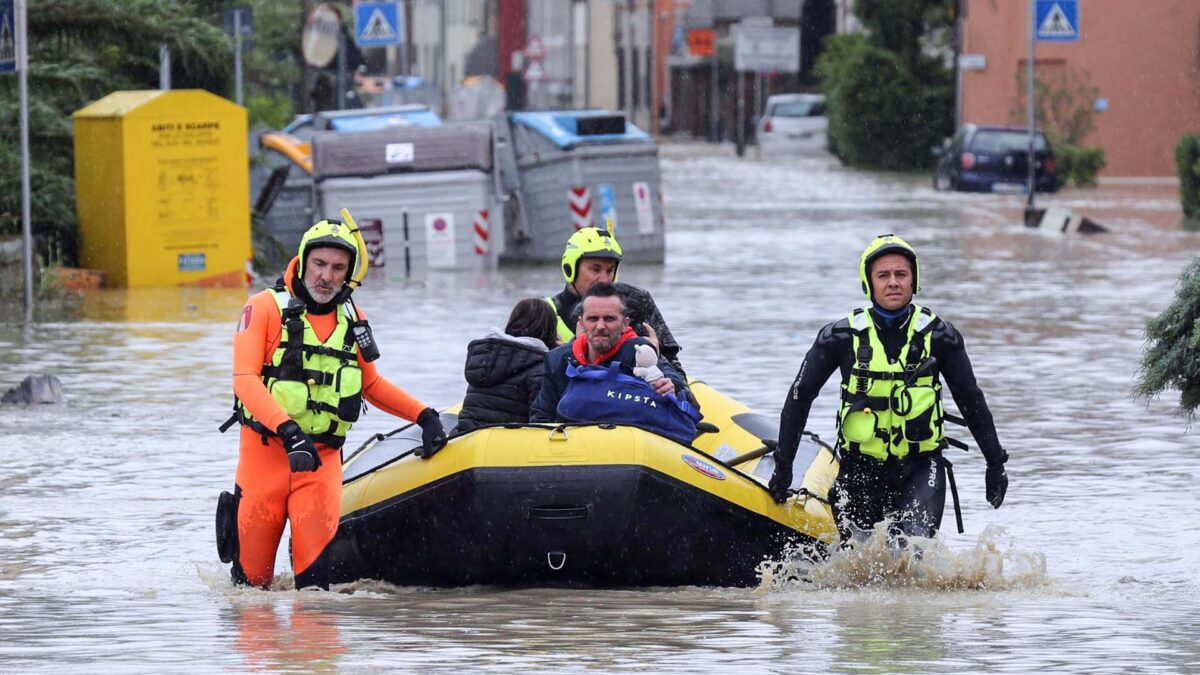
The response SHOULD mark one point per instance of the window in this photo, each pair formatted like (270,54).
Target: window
(1002,142)
(797,109)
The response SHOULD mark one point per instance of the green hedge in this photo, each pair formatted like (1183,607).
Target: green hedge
(1187,162)
(1079,166)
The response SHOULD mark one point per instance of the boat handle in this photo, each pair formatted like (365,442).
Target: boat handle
(557,512)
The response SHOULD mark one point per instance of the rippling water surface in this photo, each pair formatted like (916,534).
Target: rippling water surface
(106,553)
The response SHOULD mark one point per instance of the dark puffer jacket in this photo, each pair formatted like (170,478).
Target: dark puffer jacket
(504,375)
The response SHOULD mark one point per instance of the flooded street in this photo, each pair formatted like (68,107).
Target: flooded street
(106,504)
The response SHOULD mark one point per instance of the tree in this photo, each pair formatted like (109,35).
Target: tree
(79,51)
(1065,112)
(889,91)
(1063,104)
(273,68)
(1172,356)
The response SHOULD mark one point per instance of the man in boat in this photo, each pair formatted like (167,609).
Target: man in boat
(892,356)
(302,364)
(591,378)
(593,256)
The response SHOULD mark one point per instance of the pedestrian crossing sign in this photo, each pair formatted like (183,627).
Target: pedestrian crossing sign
(377,24)
(8,40)
(1057,20)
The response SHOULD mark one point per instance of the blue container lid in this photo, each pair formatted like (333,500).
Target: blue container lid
(370,119)
(561,127)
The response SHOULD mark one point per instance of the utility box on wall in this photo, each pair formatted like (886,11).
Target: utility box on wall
(162,188)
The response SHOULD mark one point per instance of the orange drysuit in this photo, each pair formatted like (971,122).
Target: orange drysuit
(270,492)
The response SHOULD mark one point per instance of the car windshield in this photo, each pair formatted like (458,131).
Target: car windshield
(798,109)
(1000,142)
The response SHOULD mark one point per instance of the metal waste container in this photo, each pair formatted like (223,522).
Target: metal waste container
(563,170)
(428,192)
(280,184)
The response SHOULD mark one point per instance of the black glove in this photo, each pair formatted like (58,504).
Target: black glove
(302,453)
(781,482)
(433,436)
(996,481)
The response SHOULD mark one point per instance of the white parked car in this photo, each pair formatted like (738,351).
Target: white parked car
(793,123)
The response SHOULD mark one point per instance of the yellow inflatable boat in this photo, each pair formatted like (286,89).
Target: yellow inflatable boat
(596,505)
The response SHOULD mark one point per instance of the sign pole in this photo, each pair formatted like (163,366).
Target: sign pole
(343,76)
(237,55)
(758,83)
(1029,96)
(712,106)
(22,37)
(402,30)
(741,113)
(164,67)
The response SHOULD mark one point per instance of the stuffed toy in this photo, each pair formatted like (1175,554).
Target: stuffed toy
(646,359)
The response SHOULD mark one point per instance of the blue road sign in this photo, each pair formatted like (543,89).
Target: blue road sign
(8,37)
(377,24)
(1057,20)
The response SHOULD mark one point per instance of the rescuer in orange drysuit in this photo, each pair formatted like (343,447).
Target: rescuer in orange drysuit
(302,365)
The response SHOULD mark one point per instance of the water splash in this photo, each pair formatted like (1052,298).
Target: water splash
(879,561)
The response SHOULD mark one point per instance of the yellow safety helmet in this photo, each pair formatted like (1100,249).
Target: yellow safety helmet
(589,242)
(883,245)
(327,234)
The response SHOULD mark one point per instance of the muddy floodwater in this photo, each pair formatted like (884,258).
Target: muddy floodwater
(106,527)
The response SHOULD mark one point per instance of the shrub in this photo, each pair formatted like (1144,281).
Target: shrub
(1079,166)
(1187,163)
(270,110)
(880,114)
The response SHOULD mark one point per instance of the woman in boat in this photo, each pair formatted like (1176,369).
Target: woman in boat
(504,369)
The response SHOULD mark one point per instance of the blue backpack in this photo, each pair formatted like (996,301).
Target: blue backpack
(607,395)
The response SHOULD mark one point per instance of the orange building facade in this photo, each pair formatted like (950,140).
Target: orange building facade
(1142,57)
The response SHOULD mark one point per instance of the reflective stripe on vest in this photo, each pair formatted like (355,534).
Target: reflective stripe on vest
(322,390)
(883,413)
(564,333)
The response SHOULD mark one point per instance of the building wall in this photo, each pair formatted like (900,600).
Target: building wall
(602,55)
(1143,57)
(511,33)
(552,22)
(466,21)
(665,16)
(635,46)
(427,39)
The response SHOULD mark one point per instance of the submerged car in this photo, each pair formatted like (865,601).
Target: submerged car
(793,123)
(994,159)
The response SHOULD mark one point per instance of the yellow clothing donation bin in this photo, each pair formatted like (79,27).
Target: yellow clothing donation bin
(162,188)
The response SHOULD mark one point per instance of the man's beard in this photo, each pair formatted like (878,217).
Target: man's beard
(602,344)
(321,295)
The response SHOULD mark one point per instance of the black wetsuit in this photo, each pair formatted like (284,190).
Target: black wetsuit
(910,491)
(640,307)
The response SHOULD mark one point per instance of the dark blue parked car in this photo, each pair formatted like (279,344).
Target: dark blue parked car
(994,159)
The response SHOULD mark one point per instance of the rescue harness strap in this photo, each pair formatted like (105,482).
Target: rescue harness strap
(953,489)
(317,377)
